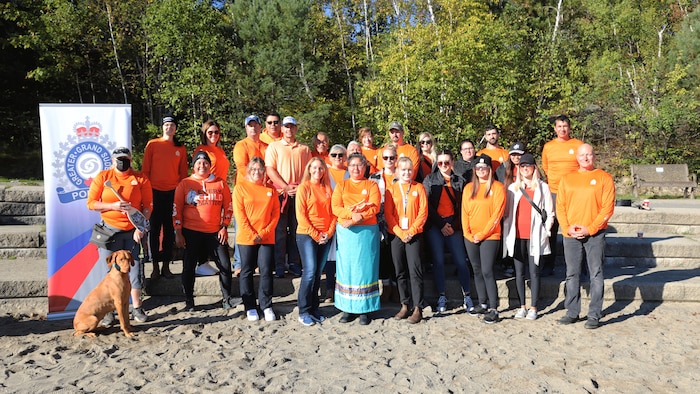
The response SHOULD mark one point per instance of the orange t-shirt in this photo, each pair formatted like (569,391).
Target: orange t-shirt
(371,156)
(404,150)
(288,159)
(445,206)
(202,205)
(257,211)
(219,162)
(559,159)
(498,156)
(164,164)
(587,199)
(337,176)
(326,158)
(481,216)
(243,152)
(523,218)
(412,214)
(133,187)
(348,193)
(313,208)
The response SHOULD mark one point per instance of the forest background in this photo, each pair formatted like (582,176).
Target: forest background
(627,72)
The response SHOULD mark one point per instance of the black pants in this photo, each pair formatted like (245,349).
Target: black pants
(409,269)
(261,256)
(196,244)
(162,218)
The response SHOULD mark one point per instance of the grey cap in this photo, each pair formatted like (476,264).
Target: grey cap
(396,125)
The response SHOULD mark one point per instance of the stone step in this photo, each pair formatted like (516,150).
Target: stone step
(674,219)
(21,193)
(19,236)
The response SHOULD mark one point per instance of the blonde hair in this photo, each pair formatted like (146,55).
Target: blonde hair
(476,184)
(307,172)
(432,155)
(533,184)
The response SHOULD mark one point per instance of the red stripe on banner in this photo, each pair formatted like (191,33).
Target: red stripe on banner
(68,279)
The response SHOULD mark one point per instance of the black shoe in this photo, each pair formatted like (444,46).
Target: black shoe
(477,310)
(364,319)
(189,305)
(592,323)
(568,320)
(347,318)
(231,302)
(491,317)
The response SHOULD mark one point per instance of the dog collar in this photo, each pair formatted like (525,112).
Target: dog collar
(115,265)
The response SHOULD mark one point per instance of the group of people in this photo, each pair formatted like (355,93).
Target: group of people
(358,213)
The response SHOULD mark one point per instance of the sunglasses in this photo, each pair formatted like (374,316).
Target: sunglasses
(481,167)
(526,165)
(336,155)
(443,163)
(273,122)
(427,142)
(210,132)
(387,158)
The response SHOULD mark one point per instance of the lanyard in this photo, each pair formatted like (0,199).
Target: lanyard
(405,197)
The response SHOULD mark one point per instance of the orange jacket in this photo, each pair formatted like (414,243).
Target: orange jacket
(202,205)
(133,187)
(416,209)
(219,162)
(257,211)
(314,213)
(164,164)
(559,159)
(348,193)
(481,216)
(586,198)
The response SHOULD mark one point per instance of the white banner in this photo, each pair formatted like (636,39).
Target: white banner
(77,141)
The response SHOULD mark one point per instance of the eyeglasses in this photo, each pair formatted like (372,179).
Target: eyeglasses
(468,148)
(336,155)
(443,163)
(526,165)
(210,132)
(481,167)
(426,142)
(356,165)
(273,122)
(387,158)
(256,169)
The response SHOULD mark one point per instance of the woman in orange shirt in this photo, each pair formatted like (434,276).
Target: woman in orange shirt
(314,232)
(257,211)
(201,214)
(483,203)
(355,203)
(210,139)
(426,147)
(406,210)
(364,135)
(338,172)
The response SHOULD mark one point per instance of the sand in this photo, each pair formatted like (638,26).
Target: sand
(641,347)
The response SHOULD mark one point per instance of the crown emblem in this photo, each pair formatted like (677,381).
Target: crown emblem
(87,129)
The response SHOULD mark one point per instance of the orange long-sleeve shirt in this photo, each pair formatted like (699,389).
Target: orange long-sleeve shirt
(371,156)
(243,152)
(559,159)
(415,209)
(257,211)
(348,193)
(481,216)
(586,198)
(498,156)
(202,204)
(164,164)
(219,162)
(314,212)
(404,150)
(133,187)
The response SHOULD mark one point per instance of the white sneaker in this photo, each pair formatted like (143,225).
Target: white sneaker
(252,315)
(522,312)
(531,315)
(468,303)
(269,314)
(442,304)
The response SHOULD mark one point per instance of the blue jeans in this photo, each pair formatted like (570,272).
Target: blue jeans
(125,240)
(593,250)
(313,259)
(236,249)
(260,255)
(455,244)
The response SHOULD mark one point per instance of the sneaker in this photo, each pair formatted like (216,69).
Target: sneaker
(592,323)
(231,302)
(521,313)
(139,315)
(468,303)
(189,305)
(279,274)
(306,319)
(295,270)
(108,320)
(477,310)
(531,315)
(442,304)
(317,317)
(568,320)
(491,317)
(269,314)
(252,315)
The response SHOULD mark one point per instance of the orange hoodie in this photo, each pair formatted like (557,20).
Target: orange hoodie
(559,159)
(202,205)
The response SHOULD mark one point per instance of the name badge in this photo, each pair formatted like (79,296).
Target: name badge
(404,223)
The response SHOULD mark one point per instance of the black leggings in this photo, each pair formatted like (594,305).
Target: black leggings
(162,217)
(522,258)
(196,244)
(483,257)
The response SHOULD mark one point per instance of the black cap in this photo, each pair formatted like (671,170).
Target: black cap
(527,159)
(201,155)
(483,159)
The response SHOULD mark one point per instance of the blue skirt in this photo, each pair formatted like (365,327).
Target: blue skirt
(357,269)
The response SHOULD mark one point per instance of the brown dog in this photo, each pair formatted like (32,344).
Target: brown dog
(110,294)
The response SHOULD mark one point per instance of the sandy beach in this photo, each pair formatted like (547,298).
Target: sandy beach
(640,347)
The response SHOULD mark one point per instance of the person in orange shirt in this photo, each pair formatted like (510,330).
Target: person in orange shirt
(483,204)
(273,130)
(201,214)
(314,232)
(406,210)
(396,136)
(257,211)
(364,135)
(165,165)
(338,172)
(321,142)
(135,188)
(426,148)
(558,160)
(497,154)
(355,203)
(210,138)
(585,203)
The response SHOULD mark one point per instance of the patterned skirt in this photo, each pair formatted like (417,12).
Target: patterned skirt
(357,269)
